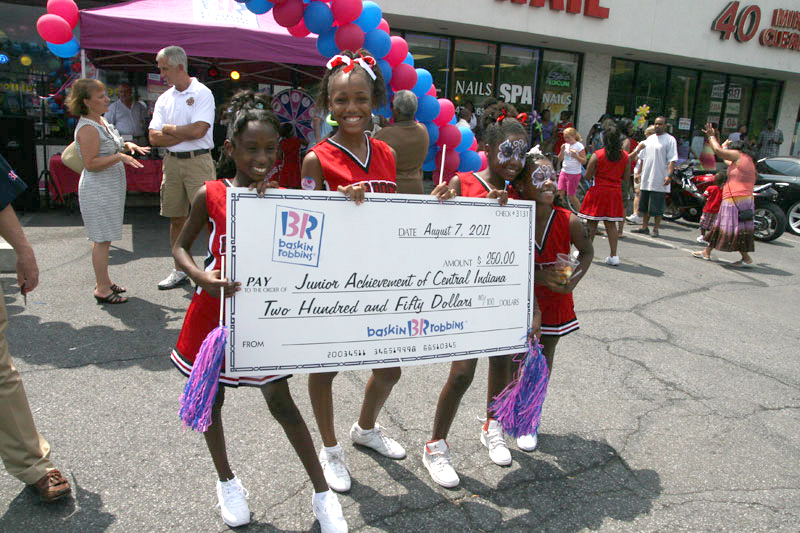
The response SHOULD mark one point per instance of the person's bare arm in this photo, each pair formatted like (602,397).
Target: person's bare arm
(89,141)
(188,132)
(591,168)
(719,151)
(11,231)
(159,138)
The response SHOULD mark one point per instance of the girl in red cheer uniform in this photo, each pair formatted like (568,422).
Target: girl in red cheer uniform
(253,145)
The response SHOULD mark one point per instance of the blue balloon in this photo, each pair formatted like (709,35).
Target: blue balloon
(318,18)
(378,42)
(326,43)
(453,120)
(429,166)
(259,7)
(424,82)
(466,139)
(427,108)
(384,111)
(386,70)
(370,17)
(433,133)
(409,60)
(470,161)
(68,49)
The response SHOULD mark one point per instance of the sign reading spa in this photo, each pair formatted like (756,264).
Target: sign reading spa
(744,24)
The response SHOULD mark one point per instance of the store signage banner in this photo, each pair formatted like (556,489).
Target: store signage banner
(744,24)
(398,280)
(224,13)
(590,8)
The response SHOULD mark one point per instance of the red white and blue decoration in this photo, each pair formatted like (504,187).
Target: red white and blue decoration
(57,25)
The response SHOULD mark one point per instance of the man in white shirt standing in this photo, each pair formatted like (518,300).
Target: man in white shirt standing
(658,163)
(183,123)
(128,116)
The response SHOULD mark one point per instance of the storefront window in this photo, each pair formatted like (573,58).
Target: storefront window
(737,104)
(709,99)
(650,84)
(620,90)
(559,83)
(432,54)
(765,105)
(473,72)
(679,102)
(516,77)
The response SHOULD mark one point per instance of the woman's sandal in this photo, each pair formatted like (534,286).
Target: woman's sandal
(117,289)
(700,255)
(112,298)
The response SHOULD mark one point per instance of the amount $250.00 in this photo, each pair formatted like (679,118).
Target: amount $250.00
(498,258)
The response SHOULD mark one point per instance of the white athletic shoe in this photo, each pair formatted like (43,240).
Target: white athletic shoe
(612,260)
(328,511)
(232,502)
(175,279)
(493,437)
(436,458)
(701,240)
(575,254)
(528,443)
(376,439)
(634,219)
(333,466)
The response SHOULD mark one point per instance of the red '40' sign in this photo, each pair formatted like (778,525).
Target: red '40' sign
(743,26)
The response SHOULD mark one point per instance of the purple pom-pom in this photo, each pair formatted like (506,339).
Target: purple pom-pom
(201,388)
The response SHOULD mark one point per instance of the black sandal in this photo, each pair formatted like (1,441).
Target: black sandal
(112,298)
(117,289)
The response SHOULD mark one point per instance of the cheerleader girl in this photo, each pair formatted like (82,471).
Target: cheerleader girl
(556,230)
(506,145)
(253,146)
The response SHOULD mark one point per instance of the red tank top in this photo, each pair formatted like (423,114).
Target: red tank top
(556,238)
(609,173)
(290,168)
(216,205)
(341,167)
(473,186)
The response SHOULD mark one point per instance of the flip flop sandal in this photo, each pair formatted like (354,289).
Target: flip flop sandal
(700,255)
(117,289)
(740,264)
(112,298)
(643,231)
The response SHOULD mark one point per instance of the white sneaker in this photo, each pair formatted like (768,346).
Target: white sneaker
(375,438)
(334,468)
(436,458)
(612,260)
(701,240)
(175,278)
(528,443)
(493,437)
(575,254)
(633,219)
(232,502)
(328,511)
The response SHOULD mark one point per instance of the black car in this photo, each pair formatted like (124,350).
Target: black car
(784,172)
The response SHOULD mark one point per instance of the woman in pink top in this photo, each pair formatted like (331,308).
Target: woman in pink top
(733,229)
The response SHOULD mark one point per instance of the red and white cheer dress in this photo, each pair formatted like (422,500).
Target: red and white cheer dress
(203,313)
(558,311)
(342,167)
(474,186)
(604,200)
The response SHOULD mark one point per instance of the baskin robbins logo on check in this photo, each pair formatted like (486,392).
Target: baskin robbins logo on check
(298,236)
(415,327)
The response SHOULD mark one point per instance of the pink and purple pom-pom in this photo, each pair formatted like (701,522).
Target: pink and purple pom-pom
(201,388)
(518,409)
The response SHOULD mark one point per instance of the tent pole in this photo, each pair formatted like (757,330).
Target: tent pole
(83,63)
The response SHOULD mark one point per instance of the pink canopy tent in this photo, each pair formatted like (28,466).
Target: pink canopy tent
(204,28)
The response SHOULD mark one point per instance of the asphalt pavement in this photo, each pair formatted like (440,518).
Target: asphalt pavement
(675,407)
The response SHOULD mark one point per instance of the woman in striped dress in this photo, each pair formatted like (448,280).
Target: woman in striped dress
(101,190)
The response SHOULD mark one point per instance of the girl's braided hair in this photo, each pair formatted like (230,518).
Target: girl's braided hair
(244,106)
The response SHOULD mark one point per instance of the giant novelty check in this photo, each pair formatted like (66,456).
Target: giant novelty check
(398,280)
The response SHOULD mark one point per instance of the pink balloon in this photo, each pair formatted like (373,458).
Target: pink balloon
(451,161)
(398,52)
(289,14)
(384,26)
(349,37)
(299,29)
(54,29)
(66,9)
(446,112)
(278,2)
(474,145)
(345,11)
(484,160)
(404,76)
(449,135)
(432,90)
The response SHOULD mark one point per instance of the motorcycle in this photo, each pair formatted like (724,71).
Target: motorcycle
(685,198)
(769,220)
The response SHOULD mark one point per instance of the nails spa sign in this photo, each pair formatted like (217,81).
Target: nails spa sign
(744,24)
(590,8)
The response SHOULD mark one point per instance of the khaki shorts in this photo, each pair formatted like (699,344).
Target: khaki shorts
(182,178)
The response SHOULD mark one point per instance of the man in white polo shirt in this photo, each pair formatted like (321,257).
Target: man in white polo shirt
(183,123)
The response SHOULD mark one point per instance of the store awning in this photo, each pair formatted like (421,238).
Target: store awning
(205,28)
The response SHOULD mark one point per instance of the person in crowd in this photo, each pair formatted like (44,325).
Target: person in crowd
(733,228)
(769,140)
(595,139)
(464,116)
(25,453)
(409,139)
(572,156)
(565,121)
(740,134)
(629,143)
(557,229)
(351,162)
(610,168)
(548,132)
(636,156)
(473,118)
(128,115)
(182,123)
(253,147)
(102,186)
(290,145)
(658,163)
(713,195)
(506,144)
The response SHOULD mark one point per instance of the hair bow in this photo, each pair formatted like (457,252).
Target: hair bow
(349,63)
(502,116)
(523,118)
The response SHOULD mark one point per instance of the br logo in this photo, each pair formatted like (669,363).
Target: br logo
(298,236)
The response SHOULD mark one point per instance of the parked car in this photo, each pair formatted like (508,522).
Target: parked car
(784,173)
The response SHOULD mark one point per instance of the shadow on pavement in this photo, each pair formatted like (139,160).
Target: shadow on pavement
(635,268)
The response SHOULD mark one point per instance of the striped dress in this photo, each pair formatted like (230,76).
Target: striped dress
(102,194)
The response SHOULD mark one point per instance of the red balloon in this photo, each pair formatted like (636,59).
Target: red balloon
(432,90)
(54,29)
(404,76)
(398,52)
(484,160)
(446,112)
(278,2)
(345,11)
(451,162)
(384,26)
(449,136)
(289,14)
(299,29)
(349,37)
(66,9)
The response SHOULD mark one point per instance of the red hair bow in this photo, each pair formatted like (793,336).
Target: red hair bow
(523,118)
(502,116)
